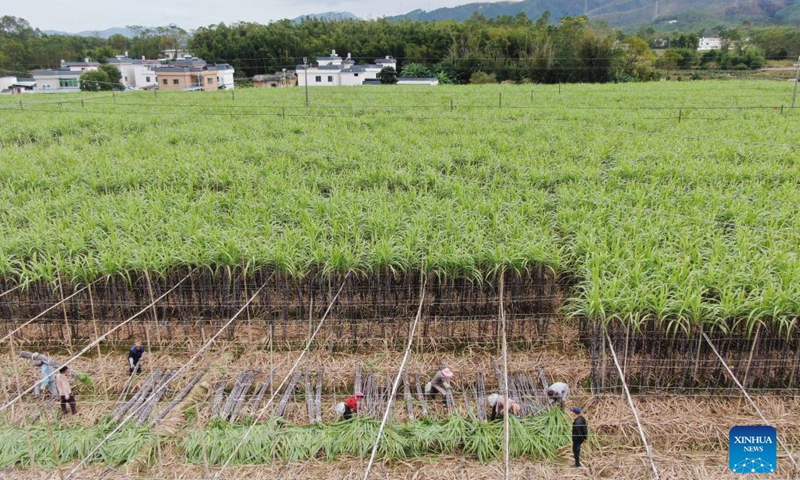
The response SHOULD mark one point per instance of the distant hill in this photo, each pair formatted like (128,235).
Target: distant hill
(628,13)
(329,16)
(126,32)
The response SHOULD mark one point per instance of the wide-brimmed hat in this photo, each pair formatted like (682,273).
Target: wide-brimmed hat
(447,372)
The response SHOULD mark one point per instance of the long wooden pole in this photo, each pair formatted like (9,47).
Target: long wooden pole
(507,404)
(633,408)
(744,391)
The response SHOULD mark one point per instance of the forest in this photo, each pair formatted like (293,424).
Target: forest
(516,49)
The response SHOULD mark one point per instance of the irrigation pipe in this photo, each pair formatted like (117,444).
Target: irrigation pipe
(633,408)
(396,384)
(286,379)
(507,402)
(95,342)
(164,385)
(11,333)
(758,410)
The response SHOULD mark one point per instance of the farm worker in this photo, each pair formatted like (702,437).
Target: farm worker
(134,355)
(580,432)
(498,406)
(439,384)
(48,378)
(65,391)
(351,405)
(558,393)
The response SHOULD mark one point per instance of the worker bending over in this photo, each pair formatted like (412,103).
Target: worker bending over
(350,406)
(558,393)
(134,355)
(498,404)
(439,384)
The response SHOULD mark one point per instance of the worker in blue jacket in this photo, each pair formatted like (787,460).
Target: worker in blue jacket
(134,356)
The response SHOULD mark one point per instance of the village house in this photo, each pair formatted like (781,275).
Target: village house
(65,79)
(12,85)
(137,74)
(709,43)
(333,71)
(192,73)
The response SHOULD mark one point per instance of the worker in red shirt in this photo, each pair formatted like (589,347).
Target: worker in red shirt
(351,405)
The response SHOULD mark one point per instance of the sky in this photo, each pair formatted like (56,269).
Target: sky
(78,15)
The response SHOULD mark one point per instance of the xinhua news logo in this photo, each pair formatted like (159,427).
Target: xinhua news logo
(753,449)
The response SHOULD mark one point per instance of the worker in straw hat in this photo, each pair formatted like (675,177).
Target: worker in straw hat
(134,356)
(48,378)
(499,408)
(350,406)
(439,384)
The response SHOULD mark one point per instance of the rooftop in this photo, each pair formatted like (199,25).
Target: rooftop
(56,73)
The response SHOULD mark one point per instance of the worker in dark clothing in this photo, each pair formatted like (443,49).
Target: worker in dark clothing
(134,355)
(580,433)
(351,405)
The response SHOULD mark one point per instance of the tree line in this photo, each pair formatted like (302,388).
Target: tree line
(506,48)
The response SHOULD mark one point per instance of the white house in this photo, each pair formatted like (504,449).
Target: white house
(137,74)
(224,75)
(334,71)
(62,81)
(65,79)
(11,85)
(6,82)
(84,66)
(709,43)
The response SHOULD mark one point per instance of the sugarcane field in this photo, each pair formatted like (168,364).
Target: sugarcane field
(463,282)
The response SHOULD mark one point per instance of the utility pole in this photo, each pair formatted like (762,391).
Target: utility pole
(796,79)
(305,72)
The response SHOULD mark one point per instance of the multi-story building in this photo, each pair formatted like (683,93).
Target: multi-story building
(192,73)
(136,73)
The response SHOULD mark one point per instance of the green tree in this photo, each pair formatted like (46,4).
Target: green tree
(415,70)
(95,81)
(114,76)
(119,43)
(387,76)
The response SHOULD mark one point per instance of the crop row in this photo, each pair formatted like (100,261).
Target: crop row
(692,221)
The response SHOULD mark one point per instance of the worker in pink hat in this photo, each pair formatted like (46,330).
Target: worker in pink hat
(351,405)
(439,384)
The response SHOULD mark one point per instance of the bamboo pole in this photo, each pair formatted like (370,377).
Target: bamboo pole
(506,471)
(92,344)
(64,310)
(752,403)
(396,383)
(153,304)
(633,409)
(40,315)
